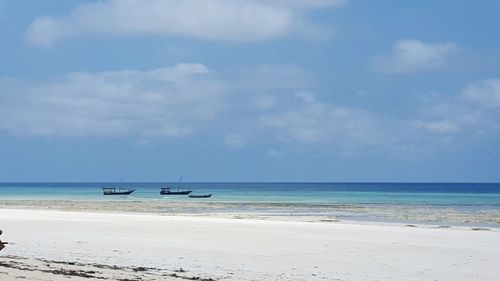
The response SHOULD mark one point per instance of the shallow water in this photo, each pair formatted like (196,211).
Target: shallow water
(464,194)
(452,203)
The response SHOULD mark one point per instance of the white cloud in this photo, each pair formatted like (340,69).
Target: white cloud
(310,121)
(307,3)
(265,102)
(485,93)
(234,140)
(414,55)
(233,20)
(307,97)
(166,102)
(2,10)
(441,127)
(170,101)
(191,99)
(474,111)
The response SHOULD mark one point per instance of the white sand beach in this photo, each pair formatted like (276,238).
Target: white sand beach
(61,245)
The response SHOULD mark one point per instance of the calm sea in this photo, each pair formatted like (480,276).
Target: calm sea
(461,194)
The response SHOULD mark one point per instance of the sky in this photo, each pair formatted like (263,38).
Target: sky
(250,90)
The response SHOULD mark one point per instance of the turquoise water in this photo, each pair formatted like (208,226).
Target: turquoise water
(458,194)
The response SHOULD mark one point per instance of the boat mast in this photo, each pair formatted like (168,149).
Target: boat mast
(121,182)
(179,186)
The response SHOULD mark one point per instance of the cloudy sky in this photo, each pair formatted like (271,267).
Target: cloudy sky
(250,90)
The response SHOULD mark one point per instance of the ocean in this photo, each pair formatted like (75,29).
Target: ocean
(466,194)
(434,203)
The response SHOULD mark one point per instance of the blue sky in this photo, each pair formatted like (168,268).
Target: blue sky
(249,90)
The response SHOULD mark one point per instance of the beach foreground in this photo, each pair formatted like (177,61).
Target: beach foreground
(59,245)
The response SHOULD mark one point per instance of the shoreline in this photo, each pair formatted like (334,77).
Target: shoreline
(208,248)
(373,213)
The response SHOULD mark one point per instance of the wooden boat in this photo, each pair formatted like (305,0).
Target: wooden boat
(200,195)
(167,191)
(116,191)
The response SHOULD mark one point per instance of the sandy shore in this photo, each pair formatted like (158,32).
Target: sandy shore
(276,211)
(58,245)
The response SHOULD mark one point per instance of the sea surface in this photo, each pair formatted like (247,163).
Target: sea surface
(481,194)
(453,202)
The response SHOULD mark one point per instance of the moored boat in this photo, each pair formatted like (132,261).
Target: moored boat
(200,195)
(116,191)
(167,191)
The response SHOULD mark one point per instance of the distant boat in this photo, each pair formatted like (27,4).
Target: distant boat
(200,195)
(168,191)
(116,191)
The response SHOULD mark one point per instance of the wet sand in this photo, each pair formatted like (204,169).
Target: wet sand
(277,211)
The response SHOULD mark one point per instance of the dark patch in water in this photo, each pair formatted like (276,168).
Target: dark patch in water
(480,229)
